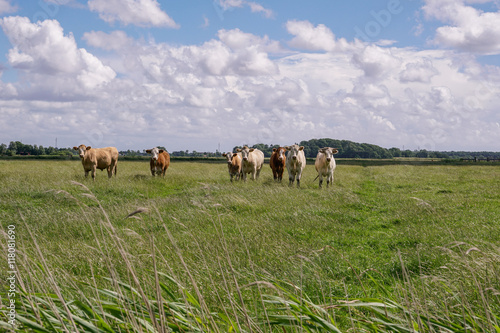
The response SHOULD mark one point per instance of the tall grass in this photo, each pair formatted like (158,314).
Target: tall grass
(193,253)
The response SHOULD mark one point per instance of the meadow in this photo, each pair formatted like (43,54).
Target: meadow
(387,248)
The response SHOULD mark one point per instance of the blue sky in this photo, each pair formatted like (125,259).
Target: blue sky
(194,74)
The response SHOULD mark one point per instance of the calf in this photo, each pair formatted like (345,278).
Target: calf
(160,161)
(233,165)
(325,164)
(295,163)
(252,161)
(98,158)
(277,163)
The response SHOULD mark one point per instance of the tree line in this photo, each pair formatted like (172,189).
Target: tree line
(347,149)
(19,148)
(350,149)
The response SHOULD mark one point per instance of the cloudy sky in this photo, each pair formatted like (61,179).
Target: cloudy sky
(196,74)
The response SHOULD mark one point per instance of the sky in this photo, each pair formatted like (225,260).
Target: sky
(205,75)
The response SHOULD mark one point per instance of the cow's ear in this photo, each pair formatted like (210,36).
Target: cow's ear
(161,151)
(335,151)
(75,148)
(251,149)
(301,148)
(225,155)
(234,155)
(88,148)
(287,147)
(238,149)
(148,151)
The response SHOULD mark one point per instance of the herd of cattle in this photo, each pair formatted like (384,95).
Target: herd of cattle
(244,161)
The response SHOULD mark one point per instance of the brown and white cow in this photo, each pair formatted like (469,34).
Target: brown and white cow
(277,162)
(98,158)
(325,164)
(252,161)
(233,165)
(160,161)
(295,163)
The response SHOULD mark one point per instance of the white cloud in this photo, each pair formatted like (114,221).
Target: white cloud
(419,71)
(115,40)
(187,96)
(254,6)
(7,7)
(469,29)
(50,59)
(143,13)
(309,37)
(376,61)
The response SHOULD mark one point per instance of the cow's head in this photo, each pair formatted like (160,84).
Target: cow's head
(281,153)
(293,151)
(82,149)
(329,152)
(245,151)
(229,157)
(154,153)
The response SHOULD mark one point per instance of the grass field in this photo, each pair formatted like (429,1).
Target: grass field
(388,248)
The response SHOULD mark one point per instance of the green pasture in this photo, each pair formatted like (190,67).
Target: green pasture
(424,238)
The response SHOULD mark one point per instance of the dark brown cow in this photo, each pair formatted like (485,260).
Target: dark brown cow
(277,163)
(160,161)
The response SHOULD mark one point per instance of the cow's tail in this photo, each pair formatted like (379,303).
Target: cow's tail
(315,179)
(116,168)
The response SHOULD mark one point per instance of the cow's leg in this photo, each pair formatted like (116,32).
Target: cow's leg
(330,180)
(110,171)
(258,173)
(320,180)
(93,172)
(231,175)
(86,173)
(244,174)
(299,175)
(291,178)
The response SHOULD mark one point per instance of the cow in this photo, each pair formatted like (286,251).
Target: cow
(160,161)
(295,163)
(325,165)
(233,165)
(98,158)
(277,163)
(252,161)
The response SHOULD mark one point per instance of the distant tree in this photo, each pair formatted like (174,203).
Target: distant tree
(3,149)
(41,150)
(396,152)
(407,153)
(422,153)
(13,146)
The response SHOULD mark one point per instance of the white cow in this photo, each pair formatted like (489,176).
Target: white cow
(325,164)
(295,163)
(252,161)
